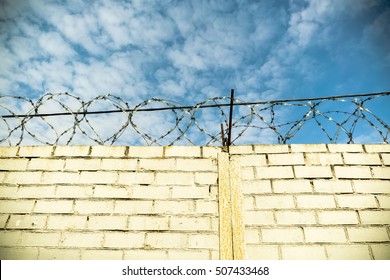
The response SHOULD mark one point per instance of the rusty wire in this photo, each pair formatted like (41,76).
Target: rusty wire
(26,121)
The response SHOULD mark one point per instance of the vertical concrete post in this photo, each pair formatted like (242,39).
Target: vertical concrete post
(231,226)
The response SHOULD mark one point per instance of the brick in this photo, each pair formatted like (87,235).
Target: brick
(73,164)
(145,192)
(328,235)
(18,253)
(375,217)
(82,240)
(377,148)
(145,152)
(386,159)
(3,220)
(252,160)
(46,164)
(295,217)
(361,159)
(262,252)
(108,151)
(203,241)
(166,240)
(211,152)
(8,192)
(336,148)
(54,206)
(337,217)
(256,187)
(282,235)
(259,218)
(371,186)
(67,222)
(26,177)
(247,173)
(102,255)
(92,207)
(286,159)
(58,254)
(206,207)
(157,164)
(98,177)
(190,192)
(352,172)
(71,151)
(313,172)
(323,159)
(32,239)
(332,186)
(270,149)
(124,240)
(133,207)
(274,172)
(381,252)
(112,192)
(206,178)
(384,201)
(235,150)
(107,222)
(148,223)
(8,151)
(74,191)
(145,255)
(368,234)
(182,151)
(10,238)
(119,164)
(381,172)
(16,206)
(60,177)
(317,148)
(188,255)
(174,178)
(13,164)
(356,201)
(196,165)
(349,252)
(190,224)
(274,202)
(145,178)
(303,253)
(315,201)
(35,151)
(36,192)
(251,236)
(249,203)
(174,207)
(291,186)
(27,222)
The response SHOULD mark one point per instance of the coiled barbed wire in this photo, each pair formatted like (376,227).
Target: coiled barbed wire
(25,121)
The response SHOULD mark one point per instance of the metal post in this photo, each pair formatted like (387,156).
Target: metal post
(230,119)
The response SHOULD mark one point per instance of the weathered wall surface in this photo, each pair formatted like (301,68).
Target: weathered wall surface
(109,203)
(299,201)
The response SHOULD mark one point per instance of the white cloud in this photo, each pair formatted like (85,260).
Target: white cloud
(55,45)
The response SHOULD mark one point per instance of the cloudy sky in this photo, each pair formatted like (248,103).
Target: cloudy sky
(189,51)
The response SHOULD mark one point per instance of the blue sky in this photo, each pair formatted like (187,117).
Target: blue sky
(189,51)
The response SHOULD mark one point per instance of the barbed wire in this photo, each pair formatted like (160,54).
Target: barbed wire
(65,119)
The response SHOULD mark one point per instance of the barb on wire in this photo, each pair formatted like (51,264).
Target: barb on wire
(65,119)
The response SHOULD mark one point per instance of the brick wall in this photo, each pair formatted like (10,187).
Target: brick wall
(316,201)
(299,201)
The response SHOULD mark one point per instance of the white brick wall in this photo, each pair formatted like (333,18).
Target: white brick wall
(300,202)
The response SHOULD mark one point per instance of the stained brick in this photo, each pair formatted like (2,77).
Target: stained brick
(375,217)
(54,206)
(62,222)
(323,159)
(381,172)
(27,222)
(361,159)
